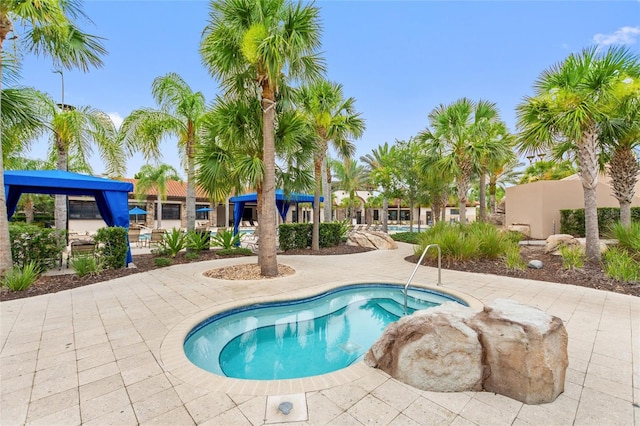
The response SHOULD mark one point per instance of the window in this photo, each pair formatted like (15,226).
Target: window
(169,211)
(454,211)
(83,210)
(202,215)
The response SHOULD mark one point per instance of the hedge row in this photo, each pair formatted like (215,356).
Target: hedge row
(298,235)
(44,246)
(572,220)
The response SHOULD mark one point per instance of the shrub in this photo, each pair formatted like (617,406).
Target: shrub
(19,279)
(492,243)
(573,257)
(85,265)
(172,242)
(572,221)
(30,243)
(112,243)
(512,258)
(192,255)
(405,237)
(162,261)
(455,243)
(224,238)
(196,240)
(619,264)
(628,237)
(299,235)
(238,251)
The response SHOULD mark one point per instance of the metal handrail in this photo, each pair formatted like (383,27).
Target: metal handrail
(406,286)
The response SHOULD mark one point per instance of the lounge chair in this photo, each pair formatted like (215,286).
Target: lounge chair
(156,236)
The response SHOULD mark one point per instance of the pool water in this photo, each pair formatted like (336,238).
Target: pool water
(301,338)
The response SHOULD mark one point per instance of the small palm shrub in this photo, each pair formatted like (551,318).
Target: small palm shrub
(19,279)
(492,243)
(619,264)
(224,238)
(512,258)
(197,240)
(85,265)
(628,236)
(172,242)
(162,262)
(573,257)
(454,243)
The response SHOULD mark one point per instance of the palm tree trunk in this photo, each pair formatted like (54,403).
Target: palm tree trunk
(159,216)
(410,214)
(5,245)
(315,234)
(28,208)
(482,196)
(492,196)
(444,200)
(191,185)
(385,214)
(463,189)
(61,200)
(326,192)
(588,160)
(268,259)
(624,175)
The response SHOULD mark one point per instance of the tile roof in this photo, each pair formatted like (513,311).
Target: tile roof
(174,189)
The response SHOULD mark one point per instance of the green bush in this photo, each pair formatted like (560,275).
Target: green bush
(85,265)
(197,240)
(628,236)
(299,235)
(224,238)
(405,237)
(492,243)
(619,264)
(172,242)
(112,246)
(19,279)
(30,243)
(162,262)
(192,255)
(573,257)
(513,259)
(237,251)
(572,221)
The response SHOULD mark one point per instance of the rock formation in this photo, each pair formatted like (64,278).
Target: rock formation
(372,239)
(508,348)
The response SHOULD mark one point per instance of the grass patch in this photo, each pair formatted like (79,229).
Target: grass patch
(573,257)
(85,265)
(513,259)
(619,264)
(405,237)
(20,279)
(162,261)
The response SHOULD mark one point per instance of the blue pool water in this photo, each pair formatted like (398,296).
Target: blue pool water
(301,338)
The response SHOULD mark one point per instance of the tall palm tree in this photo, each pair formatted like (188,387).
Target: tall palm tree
(255,46)
(180,114)
(334,120)
(455,140)
(501,172)
(620,150)
(50,31)
(380,172)
(75,131)
(568,112)
(350,177)
(155,177)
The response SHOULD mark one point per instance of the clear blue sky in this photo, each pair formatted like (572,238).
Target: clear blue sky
(399,59)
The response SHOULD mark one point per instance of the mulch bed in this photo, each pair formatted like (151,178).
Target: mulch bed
(589,276)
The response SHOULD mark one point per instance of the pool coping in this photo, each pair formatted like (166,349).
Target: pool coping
(176,363)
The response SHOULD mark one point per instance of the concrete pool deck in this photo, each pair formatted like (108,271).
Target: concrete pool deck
(110,353)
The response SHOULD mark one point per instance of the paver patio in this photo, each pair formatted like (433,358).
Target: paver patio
(110,353)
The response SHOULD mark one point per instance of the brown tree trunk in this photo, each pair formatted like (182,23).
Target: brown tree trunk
(159,208)
(482,196)
(61,200)
(326,191)
(317,168)
(588,161)
(624,175)
(5,245)
(191,179)
(463,188)
(268,259)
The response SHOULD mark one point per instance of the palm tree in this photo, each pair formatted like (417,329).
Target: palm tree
(180,114)
(380,172)
(155,177)
(334,120)
(623,161)
(50,31)
(455,140)
(547,170)
(568,113)
(74,132)
(501,172)
(350,177)
(254,47)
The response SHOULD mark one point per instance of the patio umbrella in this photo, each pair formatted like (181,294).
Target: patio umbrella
(136,211)
(204,209)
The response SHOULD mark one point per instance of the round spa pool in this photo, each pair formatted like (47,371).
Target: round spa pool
(305,337)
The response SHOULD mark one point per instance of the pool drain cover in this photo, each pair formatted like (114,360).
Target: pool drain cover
(350,347)
(286,408)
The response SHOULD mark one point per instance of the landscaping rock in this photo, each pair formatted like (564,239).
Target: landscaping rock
(521,228)
(372,239)
(432,349)
(525,350)
(535,264)
(554,241)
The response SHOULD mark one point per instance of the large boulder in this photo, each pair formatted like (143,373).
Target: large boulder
(556,240)
(372,239)
(525,351)
(525,230)
(432,350)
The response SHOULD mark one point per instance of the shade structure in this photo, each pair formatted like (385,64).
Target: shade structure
(283,202)
(204,209)
(111,195)
(137,210)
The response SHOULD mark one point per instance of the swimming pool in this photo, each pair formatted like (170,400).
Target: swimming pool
(301,338)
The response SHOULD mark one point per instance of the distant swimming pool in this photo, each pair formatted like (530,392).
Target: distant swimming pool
(305,337)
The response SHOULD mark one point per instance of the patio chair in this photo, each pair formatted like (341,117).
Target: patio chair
(134,236)
(81,248)
(156,236)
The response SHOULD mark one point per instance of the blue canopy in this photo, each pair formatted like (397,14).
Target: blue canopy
(111,195)
(283,202)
